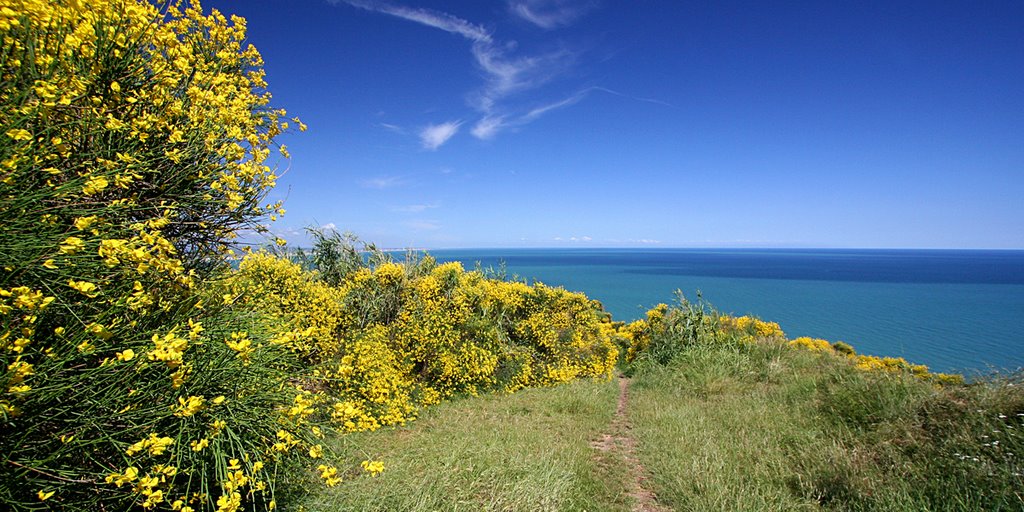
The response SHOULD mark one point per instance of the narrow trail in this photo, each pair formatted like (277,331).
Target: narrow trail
(619,443)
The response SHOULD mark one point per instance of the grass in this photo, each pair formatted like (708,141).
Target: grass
(766,427)
(712,438)
(749,427)
(529,451)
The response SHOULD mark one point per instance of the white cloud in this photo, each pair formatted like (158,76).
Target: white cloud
(392,128)
(423,225)
(637,98)
(505,74)
(329,227)
(382,182)
(433,136)
(544,109)
(576,238)
(414,208)
(488,127)
(435,19)
(549,14)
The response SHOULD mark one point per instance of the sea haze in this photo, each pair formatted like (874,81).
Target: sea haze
(953,310)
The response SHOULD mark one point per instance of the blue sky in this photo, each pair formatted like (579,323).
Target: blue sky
(593,123)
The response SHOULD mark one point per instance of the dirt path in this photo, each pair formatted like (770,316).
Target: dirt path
(618,441)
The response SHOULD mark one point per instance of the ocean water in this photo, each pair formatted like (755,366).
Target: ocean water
(960,311)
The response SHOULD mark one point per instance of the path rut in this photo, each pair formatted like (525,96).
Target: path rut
(618,441)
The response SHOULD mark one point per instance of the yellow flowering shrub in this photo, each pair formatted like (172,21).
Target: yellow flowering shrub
(392,338)
(303,313)
(135,142)
(666,331)
(893,365)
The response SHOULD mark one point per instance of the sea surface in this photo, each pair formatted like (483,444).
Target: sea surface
(953,310)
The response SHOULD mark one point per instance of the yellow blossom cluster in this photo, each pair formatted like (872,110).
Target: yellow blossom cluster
(894,365)
(393,338)
(753,327)
(692,324)
(136,140)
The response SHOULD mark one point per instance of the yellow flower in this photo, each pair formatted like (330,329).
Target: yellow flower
(71,245)
(43,496)
(316,451)
(95,185)
(197,446)
(188,407)
(19,134)
(120,479)
(154,444)
(126,355)
(50,264)
(329,474)
(84,287)
(240,343)
(83,223)
(374,467)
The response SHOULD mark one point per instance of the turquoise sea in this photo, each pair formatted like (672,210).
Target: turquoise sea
(952,310)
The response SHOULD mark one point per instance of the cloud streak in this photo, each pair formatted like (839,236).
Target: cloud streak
(488,127)
(435,135)
(381,183)
(505,74)
(549,14)
(415,208)
(423,225)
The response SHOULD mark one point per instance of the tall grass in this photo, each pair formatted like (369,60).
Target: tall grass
(728,424)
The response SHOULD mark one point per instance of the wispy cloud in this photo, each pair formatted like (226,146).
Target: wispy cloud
(488,127)
(544,109)
(414,208)
(423,225)
(505,74)
(392,128)
(382,182)
(433,136)
(549,14)
(330,226)
(428,17)
(637,98)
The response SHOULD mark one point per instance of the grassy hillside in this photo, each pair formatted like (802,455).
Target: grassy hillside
(719,426)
